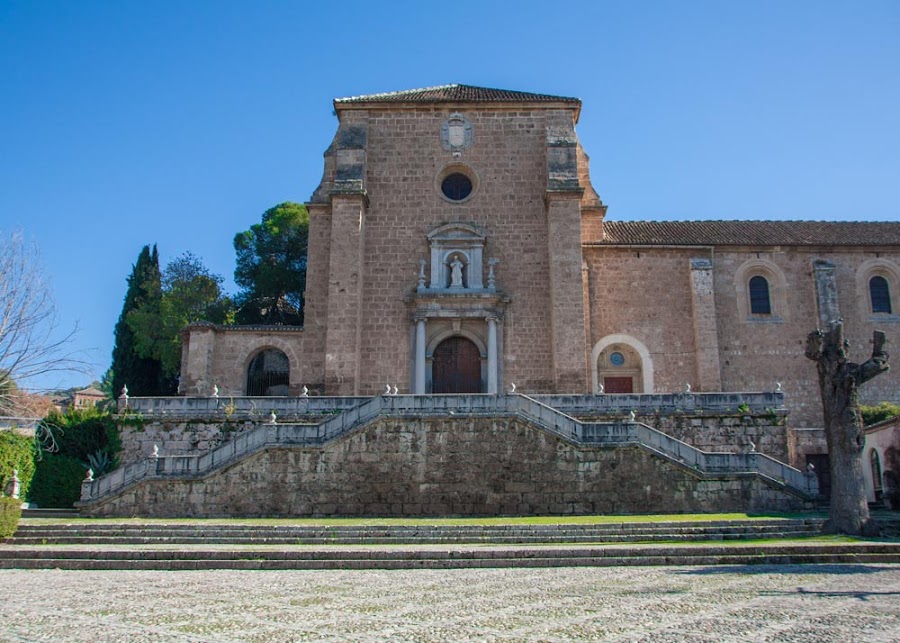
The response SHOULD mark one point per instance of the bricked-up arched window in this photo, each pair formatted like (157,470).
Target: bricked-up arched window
(759,296)
(880,292)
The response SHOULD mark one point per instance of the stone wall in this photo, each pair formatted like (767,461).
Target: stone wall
(421,467)
(652,291)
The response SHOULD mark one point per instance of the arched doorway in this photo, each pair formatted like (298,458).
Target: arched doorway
(621,362)
(619,369)
(875,463)
(268,373)
(456,367)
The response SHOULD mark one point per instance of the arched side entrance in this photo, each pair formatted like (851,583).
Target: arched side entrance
(875,464)
(268,373)
(456,366)
(622,364)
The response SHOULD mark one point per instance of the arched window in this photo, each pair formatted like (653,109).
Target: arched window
(268,373)
(759,296)
(880,293)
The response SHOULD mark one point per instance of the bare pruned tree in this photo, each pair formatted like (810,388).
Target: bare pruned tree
(839,382)
(31,343)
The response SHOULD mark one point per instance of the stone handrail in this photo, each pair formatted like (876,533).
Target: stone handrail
(531,409)
(703,461)
(244,407)
(239,406)
(647,403)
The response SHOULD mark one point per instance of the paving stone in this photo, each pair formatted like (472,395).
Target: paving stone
(768,603)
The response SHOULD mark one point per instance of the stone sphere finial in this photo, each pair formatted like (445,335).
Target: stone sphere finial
(273,419)
(124,391)
(778,388)
(89,477)
(512,388)
(215,391)
(632,416)
(687,387)
(304,392)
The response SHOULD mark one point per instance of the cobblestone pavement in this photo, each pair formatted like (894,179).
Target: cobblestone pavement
(771,603)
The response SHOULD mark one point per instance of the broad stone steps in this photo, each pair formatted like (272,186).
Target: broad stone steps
(120,533)
(428,539)
(311,559)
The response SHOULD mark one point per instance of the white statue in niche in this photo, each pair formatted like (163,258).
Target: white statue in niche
(456,273)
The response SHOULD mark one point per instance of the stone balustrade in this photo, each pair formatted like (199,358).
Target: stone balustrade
(660,403)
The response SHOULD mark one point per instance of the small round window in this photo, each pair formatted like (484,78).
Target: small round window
(456,186)
(617,359)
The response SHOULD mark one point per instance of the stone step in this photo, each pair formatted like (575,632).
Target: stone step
(309,559)
(375,540)
(506,534)
(673,527)
(37,512)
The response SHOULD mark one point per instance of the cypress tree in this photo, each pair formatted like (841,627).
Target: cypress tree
(142,375)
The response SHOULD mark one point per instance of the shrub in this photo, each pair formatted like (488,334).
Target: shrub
(875,414)
(82,432)
(10,512)
(16,452)
(57,481)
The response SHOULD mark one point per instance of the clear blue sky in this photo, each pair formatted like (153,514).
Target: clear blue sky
(124,123)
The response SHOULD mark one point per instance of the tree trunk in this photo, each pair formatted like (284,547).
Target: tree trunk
(839,382)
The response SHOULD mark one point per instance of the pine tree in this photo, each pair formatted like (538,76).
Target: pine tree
(142,375)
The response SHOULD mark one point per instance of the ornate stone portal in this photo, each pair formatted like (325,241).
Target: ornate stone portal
(457,304)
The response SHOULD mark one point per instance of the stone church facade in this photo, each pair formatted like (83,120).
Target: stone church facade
(457,244)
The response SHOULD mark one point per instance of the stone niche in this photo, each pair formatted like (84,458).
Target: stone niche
(456,259)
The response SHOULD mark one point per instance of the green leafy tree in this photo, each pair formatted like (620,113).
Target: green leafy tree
(189,293)
(140,372)
(271,267)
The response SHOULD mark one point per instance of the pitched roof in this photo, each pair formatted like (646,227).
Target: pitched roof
(751,233)
(457,93)
(90,390)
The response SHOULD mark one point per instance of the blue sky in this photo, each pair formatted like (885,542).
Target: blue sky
(124,123)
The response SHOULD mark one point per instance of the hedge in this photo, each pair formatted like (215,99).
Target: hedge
(57,481)
(10,512)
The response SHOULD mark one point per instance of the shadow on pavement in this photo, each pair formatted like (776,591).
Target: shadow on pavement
(789,569)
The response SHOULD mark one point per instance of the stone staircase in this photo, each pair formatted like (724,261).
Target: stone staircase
(232,545)
(606,434)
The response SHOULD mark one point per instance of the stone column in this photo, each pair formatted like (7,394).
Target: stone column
(826,292)
(346,262)
(420,357)
(345,295)
(706,335)
(492,355)
(563,203)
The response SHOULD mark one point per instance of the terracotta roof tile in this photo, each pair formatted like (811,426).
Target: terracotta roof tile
(751,233)
(456,93)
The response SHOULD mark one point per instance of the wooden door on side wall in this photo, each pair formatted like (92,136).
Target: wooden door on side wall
(456,367)
(618,385)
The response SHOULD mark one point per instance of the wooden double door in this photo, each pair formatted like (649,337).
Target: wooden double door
(456,367)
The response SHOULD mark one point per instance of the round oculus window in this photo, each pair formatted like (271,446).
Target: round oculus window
(456,186)
(617,359)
